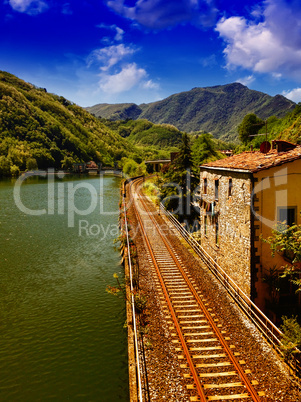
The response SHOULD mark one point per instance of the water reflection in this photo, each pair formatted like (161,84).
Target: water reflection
(61,333)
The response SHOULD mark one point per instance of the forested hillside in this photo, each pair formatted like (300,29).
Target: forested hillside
(143,133)
(288,128)
(218,110)
(41,130)
(38,129)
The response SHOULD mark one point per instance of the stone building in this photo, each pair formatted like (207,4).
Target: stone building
(242,199)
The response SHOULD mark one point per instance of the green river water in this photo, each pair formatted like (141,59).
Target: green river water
(61,333)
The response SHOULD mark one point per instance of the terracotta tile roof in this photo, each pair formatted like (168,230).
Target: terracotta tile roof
(256,161)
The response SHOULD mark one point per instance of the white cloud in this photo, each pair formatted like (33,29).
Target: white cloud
(159,14)
(118,31)
(110,56)
(272,45)
(294,94)
(31,7)
(119,34)
(126,79)
(246,80)
(117,74)
(149,85)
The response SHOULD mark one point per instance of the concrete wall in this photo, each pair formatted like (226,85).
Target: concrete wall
(233,213)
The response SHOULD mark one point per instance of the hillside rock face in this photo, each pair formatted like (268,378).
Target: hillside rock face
(218,110)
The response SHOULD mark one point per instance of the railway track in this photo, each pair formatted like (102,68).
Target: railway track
(211,367)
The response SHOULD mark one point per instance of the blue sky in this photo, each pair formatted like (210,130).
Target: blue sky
(94,51)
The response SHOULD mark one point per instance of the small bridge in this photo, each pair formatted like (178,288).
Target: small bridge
(158,164)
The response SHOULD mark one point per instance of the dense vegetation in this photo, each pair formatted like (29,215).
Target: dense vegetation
(249,127)
(178,182)
(218,110)
(41,130)
(146,134)
(38,129)
(287,128)
(285,240)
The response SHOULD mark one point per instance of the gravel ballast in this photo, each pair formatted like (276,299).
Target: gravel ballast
(165,376)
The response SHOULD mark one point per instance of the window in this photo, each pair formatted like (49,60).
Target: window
(205,186)
(287,215)
(216,184)
(230,188)
(216,232)
(205,225)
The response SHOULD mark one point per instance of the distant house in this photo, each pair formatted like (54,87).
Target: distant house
(92,167)
(242,198)
(79,167)
(227,152)
(89,167)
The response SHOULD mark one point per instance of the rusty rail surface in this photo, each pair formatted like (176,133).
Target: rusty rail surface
(138,372)
(269,330)
(176,285)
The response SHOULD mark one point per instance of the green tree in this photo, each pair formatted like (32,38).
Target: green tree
(14,170)
(184,158)
(130,168)
(5,166)
(291,340)
(67,162)
(250,125)
(203,149)
(31,164)
(286,240)
(180,181)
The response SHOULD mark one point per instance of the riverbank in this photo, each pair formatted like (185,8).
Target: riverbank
(133,387)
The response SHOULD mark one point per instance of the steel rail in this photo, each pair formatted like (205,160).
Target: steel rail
(173,314)
(240,371)
(133,305)
(267,328)
(273,334)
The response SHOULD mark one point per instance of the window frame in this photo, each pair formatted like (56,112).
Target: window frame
(230,187)
(291,208)
(216,231)
(216,189)
(205,185)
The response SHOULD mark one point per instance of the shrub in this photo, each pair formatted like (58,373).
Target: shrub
(31,164)
(291,337)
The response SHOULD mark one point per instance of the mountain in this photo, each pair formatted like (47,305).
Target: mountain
(218,110)
(45,130)
(120,111)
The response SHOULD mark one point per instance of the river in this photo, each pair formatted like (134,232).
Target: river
(61,333)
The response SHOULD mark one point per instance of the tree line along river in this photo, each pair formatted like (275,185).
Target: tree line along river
(61,333)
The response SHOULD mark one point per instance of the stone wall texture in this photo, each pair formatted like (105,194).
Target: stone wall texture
(226,223)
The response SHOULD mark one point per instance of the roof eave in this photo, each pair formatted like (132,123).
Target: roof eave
(226,169)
